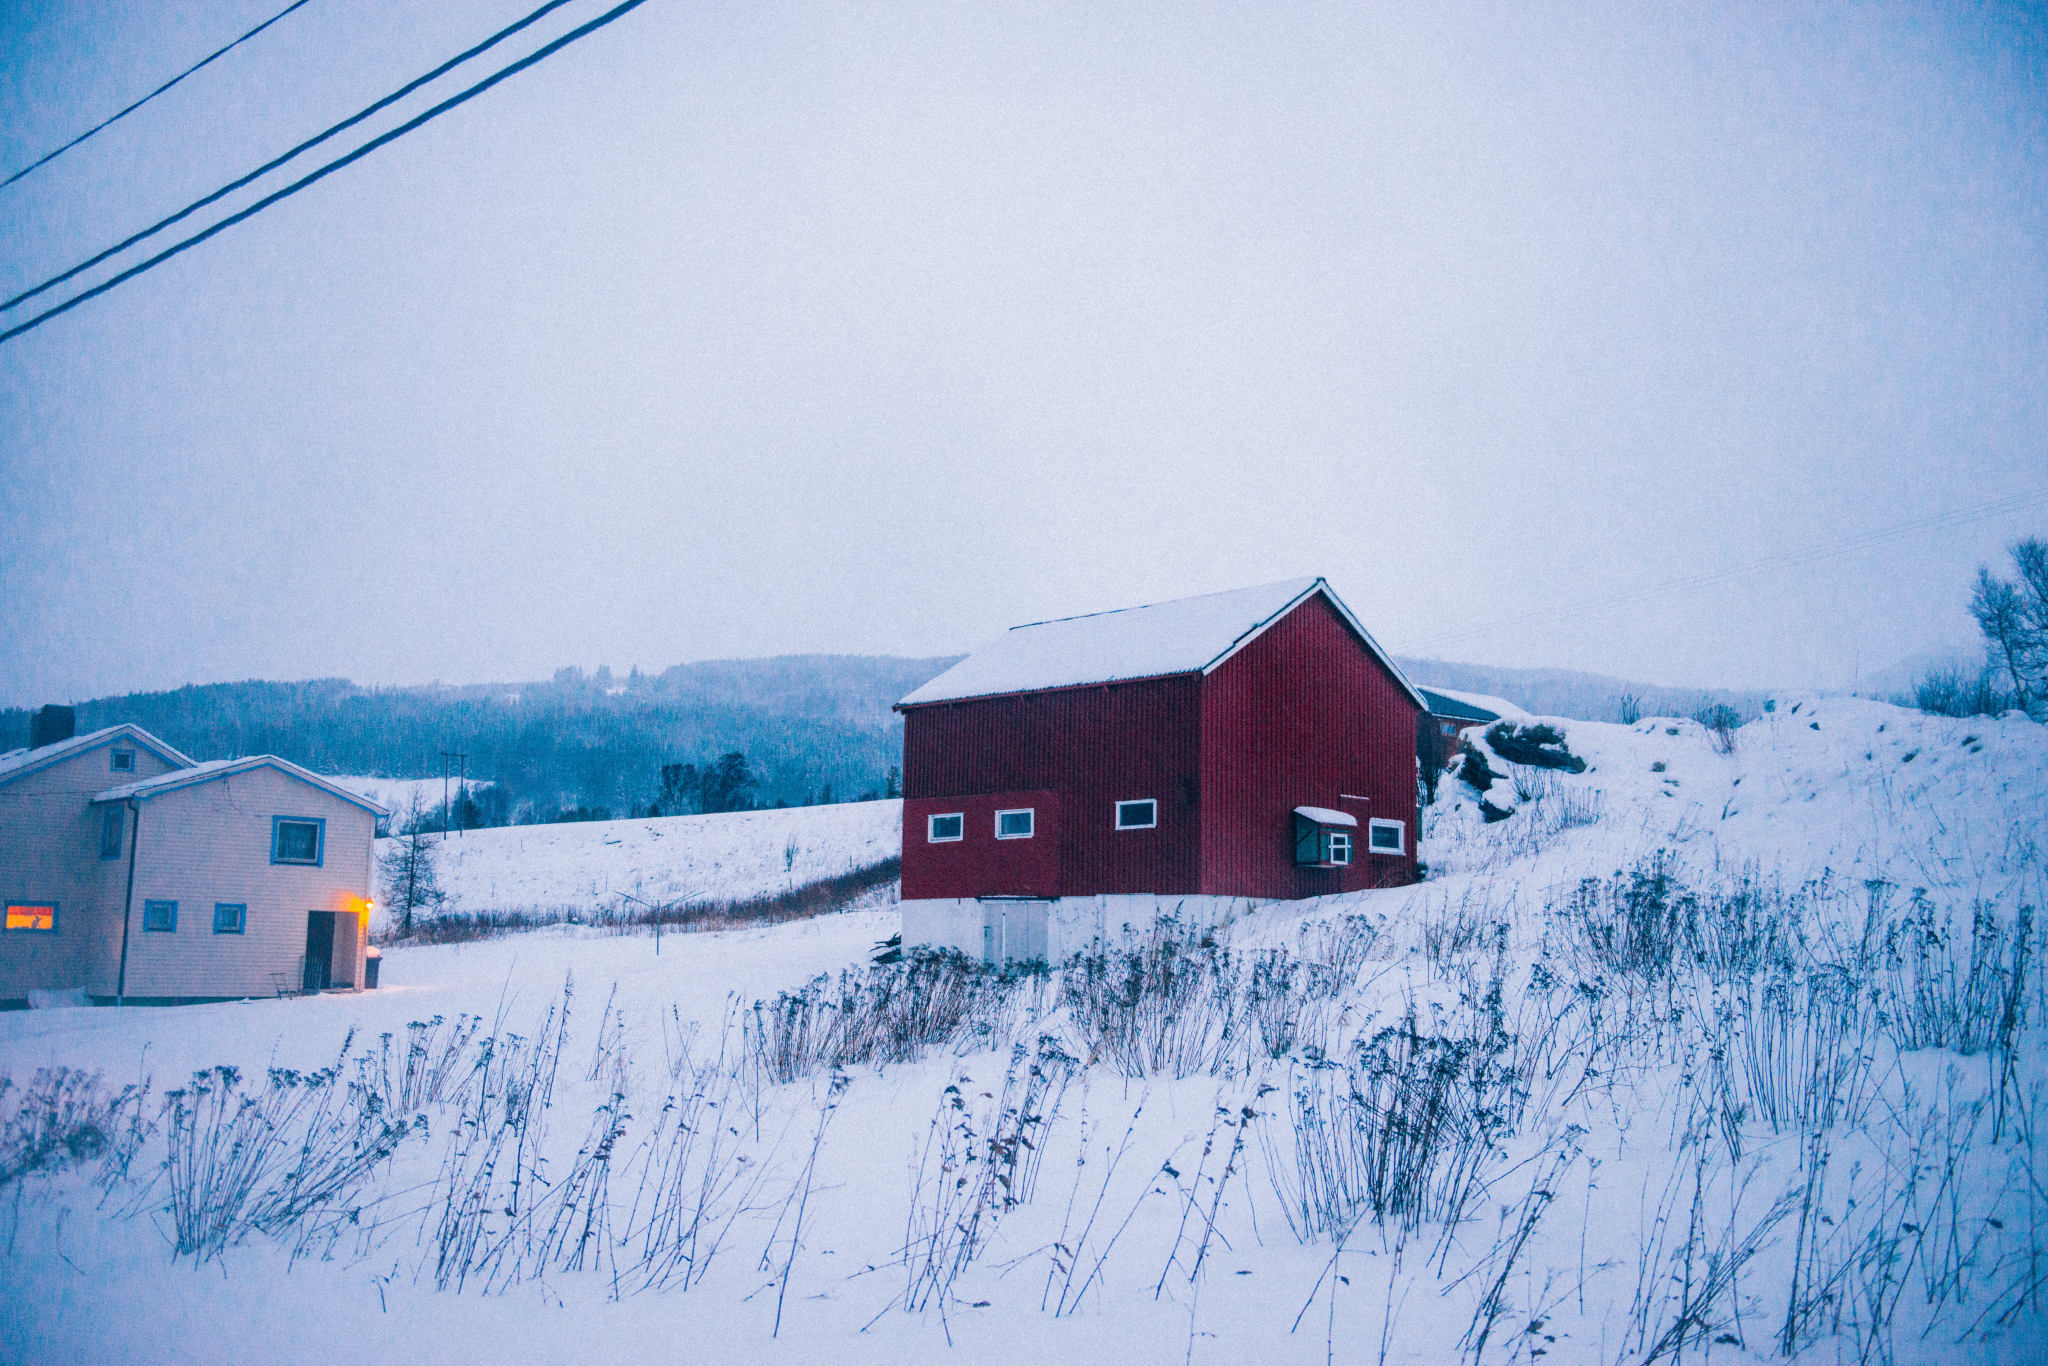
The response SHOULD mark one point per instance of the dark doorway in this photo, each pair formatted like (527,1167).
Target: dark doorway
(319,950)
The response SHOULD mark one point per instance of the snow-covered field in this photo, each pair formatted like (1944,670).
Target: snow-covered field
(608,865)
(1493,1117)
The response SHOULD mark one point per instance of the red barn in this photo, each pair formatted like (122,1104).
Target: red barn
(1075,774)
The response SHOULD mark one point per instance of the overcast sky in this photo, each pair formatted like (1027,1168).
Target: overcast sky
(754,329)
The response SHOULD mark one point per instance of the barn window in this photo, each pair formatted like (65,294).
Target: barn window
(296,839)
(123,760)
(32,917)
(229,917)
(160,917)
(1140,815)
(941,829)
(112,821)
(1450,727)
(1322,837)
(1014,825)
(1388,837)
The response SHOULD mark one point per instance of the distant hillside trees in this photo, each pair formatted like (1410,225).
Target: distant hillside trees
(596,741)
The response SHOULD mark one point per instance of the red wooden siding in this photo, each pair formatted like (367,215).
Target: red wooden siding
(979,864)
(1302,716)
(1095,746)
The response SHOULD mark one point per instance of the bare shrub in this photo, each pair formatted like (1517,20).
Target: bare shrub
(887,1012)
(61,1120)
(1936,997)
(1170,1005)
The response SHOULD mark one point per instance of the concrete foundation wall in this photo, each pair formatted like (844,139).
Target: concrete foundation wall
(1072,923)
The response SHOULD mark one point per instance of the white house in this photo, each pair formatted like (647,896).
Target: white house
(140,877)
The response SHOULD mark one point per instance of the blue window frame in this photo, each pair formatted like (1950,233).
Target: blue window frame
(121,760)
(298,839)
(160,917)
(230,917)
(113,821)
(31,917)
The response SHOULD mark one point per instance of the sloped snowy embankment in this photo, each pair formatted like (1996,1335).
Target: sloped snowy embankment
(1672,1061)
(607,865)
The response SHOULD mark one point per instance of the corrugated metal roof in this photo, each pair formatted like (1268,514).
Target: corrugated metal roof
(1188,635)
(1444,704)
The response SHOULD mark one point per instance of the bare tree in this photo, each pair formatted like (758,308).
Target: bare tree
(407,865)
(2013,614)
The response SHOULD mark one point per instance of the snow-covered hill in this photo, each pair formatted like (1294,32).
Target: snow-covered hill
(1673,1062)
(606,865)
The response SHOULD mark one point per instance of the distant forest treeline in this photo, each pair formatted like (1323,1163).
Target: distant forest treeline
(812,727)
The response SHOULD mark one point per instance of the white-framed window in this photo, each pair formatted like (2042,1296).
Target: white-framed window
(946,828)
(1015,825)
(298,839)
(1388,837)
(1142,814)
(122,760)
(1337,847)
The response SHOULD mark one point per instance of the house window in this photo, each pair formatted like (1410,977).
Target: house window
(112,820)
(1014,825)
(1388,837)
(944,829)
(295,839)
(160,916)
(123,760)
(229,917)
(1141,815)
(32,917)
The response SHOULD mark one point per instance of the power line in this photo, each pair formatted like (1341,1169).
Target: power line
(304,181)
(306,146)
(52,156)
(1782,560)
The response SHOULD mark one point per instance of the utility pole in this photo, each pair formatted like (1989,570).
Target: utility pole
(446,755)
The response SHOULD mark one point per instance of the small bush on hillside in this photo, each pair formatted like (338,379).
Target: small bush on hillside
(1951,692)
(1474,769)
(1538,745)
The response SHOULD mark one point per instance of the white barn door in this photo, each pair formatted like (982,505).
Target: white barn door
(1013,931)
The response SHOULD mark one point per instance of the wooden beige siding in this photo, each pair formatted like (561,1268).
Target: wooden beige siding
(211,843)
(50,851)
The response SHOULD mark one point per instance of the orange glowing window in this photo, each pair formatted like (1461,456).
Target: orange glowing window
(34,917)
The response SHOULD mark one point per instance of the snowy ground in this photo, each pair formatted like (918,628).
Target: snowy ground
(609,864)
(1629,1187)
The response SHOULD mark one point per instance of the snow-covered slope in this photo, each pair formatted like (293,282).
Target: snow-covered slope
(1634,1192)
(588,865)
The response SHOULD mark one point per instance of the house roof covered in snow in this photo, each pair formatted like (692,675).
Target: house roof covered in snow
(1454,707)
(1189,635)
(223,768)
(21,762)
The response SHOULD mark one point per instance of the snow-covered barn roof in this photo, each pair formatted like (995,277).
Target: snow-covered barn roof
(222,768)
(1456,706)
(16,763)
(1188,635)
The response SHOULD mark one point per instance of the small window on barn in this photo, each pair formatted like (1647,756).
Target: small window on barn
(31,917)
(1141,815)
(1014,825)
(160,917)
(1389,837)
(296,840)
(1337,847)
(945,829)
(113,820)
(1450,727)
(230,917)
(123,760)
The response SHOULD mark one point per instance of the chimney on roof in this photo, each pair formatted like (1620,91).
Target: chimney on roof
(51,724)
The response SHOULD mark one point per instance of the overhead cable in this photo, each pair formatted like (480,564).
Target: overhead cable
(104,123)
(303,182)
(275,162)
